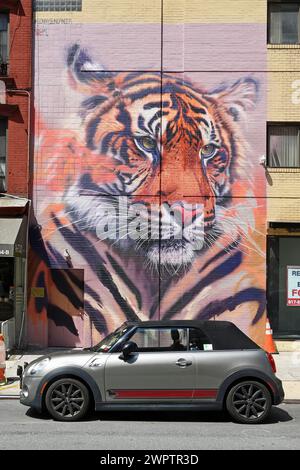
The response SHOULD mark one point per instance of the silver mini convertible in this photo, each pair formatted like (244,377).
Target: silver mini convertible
(158,365)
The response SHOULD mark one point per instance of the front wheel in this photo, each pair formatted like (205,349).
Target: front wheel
(67,400)
(249,402)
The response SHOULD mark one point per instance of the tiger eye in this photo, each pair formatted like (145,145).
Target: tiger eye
(148,143)
(208,150)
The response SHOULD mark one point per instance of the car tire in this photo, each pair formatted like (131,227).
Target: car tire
(249,402)
(67,400)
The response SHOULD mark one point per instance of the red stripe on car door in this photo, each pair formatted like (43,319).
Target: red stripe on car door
(164,393)
(205,393)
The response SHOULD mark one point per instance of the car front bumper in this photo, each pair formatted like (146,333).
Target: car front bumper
(30,394)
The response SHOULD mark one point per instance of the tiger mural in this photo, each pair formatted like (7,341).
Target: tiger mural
(151,140)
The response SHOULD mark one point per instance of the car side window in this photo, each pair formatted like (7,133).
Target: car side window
(160,339)
(199,341)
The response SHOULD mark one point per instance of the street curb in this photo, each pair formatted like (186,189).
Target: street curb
(9,397)
(291,401)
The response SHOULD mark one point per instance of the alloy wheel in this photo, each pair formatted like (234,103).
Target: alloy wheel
(250,401)
(67,399)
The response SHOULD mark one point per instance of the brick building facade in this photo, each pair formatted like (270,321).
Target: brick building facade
(16,113)
(17,79)
(101,67)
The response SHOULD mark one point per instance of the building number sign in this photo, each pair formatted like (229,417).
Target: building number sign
(4,252)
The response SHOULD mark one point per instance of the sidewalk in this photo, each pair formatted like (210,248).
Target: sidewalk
(288,370)
(12,388)
(287,363)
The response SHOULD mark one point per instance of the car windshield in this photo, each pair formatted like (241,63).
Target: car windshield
(109,341)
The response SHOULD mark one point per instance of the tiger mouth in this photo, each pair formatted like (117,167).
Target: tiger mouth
(170,252)
(176,253)
(174,244)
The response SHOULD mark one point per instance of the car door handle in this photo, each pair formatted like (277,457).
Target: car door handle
(183,362)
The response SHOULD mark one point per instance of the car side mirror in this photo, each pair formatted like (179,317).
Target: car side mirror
(128,350)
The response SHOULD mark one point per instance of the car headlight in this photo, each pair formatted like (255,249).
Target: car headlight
(37,367)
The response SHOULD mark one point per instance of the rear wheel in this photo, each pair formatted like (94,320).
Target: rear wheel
(249,402)
(67,400)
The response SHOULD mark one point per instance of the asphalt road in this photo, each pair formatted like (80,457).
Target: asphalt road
(21,428)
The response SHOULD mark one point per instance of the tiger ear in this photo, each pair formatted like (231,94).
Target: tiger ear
(239,98)
(85,76)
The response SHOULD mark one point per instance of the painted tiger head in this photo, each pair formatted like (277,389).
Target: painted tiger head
(160,146)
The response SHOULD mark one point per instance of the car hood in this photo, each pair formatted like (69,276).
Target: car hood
(73,357)
(71,354)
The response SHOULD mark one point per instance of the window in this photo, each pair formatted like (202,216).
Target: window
(3,140)
(283,253)
(283,145)
(198,341)
(58,5)
(284,23)
(109,341)
(3,43)
(160,339)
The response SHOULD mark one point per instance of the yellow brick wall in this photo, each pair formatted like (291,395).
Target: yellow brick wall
(283,83)
(283,105)
(283,195)
(215,11)
(174,11)
(110,11)
(284,57)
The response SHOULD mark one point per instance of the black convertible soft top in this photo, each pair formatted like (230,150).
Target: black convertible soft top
(223,335)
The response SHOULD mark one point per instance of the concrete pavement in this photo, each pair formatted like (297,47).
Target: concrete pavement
(21,428)
(287,363)
(288,370)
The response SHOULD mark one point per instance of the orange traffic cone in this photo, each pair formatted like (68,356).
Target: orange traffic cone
(270,345)
(2,361)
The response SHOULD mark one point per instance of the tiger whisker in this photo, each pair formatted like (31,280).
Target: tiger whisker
(249,238)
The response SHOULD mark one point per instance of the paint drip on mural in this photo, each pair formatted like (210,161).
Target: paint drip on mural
(148,200)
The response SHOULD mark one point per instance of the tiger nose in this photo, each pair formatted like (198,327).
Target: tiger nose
(209,218)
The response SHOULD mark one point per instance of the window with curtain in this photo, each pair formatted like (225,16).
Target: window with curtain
(284,23)
(3,151)
(3,38)
(283,144)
